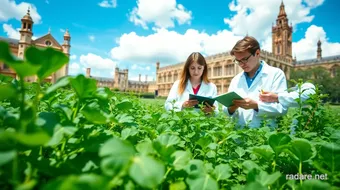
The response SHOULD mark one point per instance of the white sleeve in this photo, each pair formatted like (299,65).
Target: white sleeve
(173,96)
(289,99)
(275,109)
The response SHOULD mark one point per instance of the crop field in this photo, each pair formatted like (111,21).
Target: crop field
(73,135)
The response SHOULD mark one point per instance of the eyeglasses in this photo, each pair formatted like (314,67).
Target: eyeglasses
(244,60)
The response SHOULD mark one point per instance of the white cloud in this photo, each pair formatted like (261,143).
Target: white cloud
(108,4)
(73,57)
(306,48)
(256,17)
(96,62)
(9,9)
(13,33)
(62,30)
(142,68)
(92,38)
(74,69)
(170,47)
(163,13)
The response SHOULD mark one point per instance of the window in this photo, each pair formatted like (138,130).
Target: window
(48,43)
(278,49)
(5,66)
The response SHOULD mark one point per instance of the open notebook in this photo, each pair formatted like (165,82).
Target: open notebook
(224,99)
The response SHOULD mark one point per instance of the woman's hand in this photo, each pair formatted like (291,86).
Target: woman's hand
(189,103)
(207,109)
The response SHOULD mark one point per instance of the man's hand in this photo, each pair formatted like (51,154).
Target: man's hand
(269,97)
(189,103)
(207,109)
(246,103)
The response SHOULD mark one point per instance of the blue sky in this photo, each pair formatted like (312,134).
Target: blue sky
(135,34)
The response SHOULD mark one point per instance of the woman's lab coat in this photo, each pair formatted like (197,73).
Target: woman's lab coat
(206,89)
(270,79)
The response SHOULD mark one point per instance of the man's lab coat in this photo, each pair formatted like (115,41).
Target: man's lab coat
(270,79)
(288,99)
(206,89)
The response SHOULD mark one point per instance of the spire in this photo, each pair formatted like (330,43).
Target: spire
(319,51)
(282,10)
(67,34)
(49,30)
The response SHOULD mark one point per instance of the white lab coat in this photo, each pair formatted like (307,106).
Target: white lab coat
(270,79)
(288,99)
(206,89)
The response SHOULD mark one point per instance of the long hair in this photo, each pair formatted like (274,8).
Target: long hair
(185,75)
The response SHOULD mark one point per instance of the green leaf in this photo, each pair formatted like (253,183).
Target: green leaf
(60,83)
(112,165)
(302,149)
(250,165)
(7,91)
(268,179)
(84,87)
(240,152)
(180,159)
(124,105)
(48,121)
(279,141)
(178,186)
(23,69)
(315,185)
(195,168)
(254,185)
(7,156)
(59,133)
(205,182)
(124,118)
(127,132)
(49,59)
(145,148)
(264,151)
(330,152)
(32,139)
(115,147)
(168,140)
(94,114)
(222,172)
(146,171)
(81,182)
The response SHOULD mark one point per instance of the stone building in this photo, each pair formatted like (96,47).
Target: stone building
(330,63)
(26,40)
(122,83)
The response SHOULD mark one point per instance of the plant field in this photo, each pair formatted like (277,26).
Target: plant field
(73,135)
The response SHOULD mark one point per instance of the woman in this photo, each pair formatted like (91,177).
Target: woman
(193,80)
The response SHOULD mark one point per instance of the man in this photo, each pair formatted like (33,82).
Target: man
(288,99)
(257,76)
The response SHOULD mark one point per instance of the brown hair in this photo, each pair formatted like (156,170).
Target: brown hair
(185,75)
(248,43)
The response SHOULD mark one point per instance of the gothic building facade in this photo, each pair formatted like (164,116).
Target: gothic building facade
(26,40)
(121,82)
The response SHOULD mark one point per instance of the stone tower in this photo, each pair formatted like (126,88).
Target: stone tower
(319,51)
(63,71)
(282,35)
(26,38)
